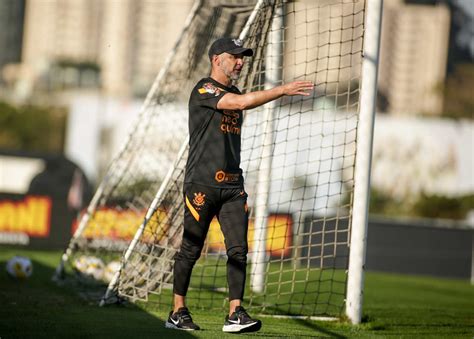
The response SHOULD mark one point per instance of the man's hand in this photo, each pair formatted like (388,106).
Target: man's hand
(298,88)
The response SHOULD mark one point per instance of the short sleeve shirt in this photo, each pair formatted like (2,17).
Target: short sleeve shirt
(214,137)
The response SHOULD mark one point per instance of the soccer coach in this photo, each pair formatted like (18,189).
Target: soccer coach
(213,184)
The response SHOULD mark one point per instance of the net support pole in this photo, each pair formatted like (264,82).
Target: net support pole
(151,210)
(368,93)
(245,31)
(273,63)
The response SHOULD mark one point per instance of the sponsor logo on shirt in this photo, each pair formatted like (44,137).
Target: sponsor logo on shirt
(230,122)
(210,88)
(222,176)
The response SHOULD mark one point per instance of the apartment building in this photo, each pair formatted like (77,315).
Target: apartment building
(128,39)
(414,51)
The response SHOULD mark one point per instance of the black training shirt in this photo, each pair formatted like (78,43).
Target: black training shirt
(214,137)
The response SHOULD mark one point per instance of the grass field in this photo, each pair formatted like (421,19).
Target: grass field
(394,306)
(303,290)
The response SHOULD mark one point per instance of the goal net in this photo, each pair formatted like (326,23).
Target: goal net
(298,156)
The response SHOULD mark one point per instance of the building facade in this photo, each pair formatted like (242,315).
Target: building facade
(413,57)
(129,40)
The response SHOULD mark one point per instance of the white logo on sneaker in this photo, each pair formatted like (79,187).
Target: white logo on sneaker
(175,322)
(234,321)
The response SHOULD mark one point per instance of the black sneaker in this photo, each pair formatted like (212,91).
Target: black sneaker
(240,322)
(181,320)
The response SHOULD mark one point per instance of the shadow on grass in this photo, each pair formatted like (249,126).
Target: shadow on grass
(38,308)
(312,325)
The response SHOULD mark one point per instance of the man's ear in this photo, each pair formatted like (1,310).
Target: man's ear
(216,59)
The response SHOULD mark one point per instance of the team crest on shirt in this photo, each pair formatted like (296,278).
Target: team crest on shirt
(199,199)
(210,88)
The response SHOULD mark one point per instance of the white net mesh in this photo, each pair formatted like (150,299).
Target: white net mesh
(297,155)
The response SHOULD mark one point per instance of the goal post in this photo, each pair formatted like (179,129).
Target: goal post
(300,159)
(368,95)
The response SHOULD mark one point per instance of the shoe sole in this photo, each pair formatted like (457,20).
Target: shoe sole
(174,327)
(237,328)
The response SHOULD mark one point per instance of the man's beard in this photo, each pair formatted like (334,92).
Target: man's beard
(232,75)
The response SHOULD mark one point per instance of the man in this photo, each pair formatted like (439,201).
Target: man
(214,185)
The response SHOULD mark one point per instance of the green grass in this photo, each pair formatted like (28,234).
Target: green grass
(395,306)
(289,290)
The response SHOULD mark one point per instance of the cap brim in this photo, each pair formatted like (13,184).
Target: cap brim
(242,50)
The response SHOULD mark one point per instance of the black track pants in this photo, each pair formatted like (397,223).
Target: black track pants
(202,203)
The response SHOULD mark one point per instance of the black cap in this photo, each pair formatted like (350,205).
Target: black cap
(229,45)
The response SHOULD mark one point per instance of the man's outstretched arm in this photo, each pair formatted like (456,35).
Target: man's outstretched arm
(258,98)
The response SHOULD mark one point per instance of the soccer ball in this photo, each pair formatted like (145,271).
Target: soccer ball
(89,267)
(19,267)
(110,270)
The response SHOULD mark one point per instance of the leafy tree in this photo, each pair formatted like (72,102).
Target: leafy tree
(32,128)
(458,92)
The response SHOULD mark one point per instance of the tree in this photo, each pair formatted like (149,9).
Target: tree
(458,90)
(32,128)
